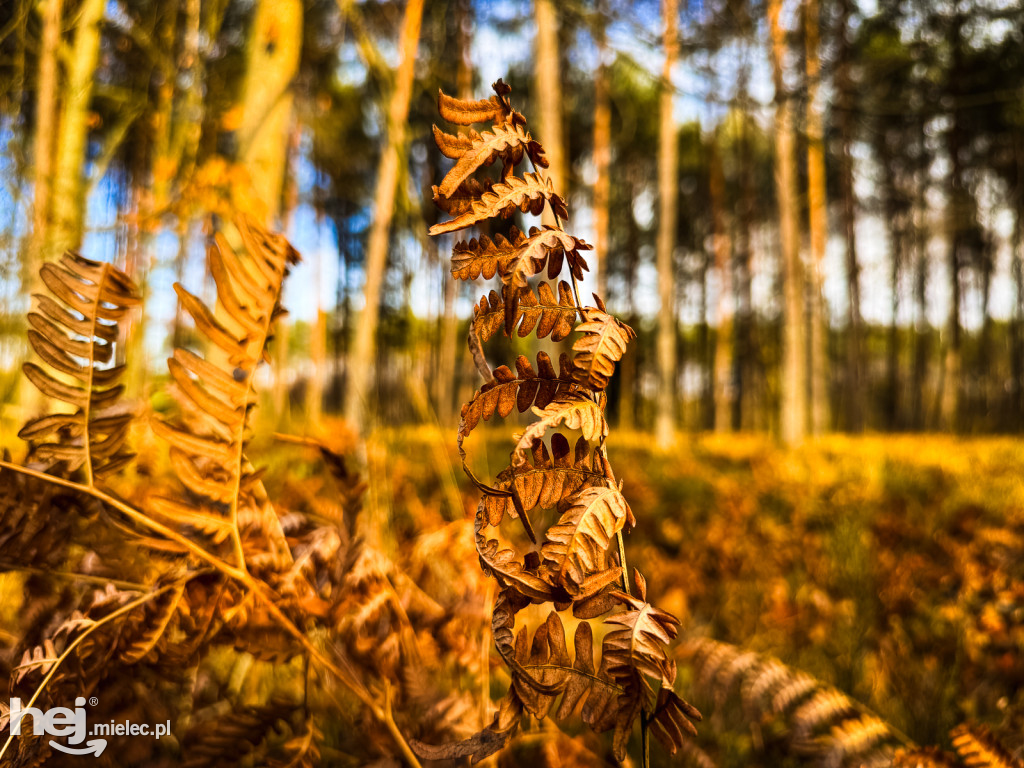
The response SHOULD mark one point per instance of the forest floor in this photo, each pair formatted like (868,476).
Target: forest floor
(890,567)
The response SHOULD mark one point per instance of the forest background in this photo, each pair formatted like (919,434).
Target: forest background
(809,211)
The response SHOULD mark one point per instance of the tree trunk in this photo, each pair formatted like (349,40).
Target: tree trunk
(629,365)
(817,206)
(46,119)
(361,361)
(793,379)
(747,399)
(44,147)
(668,151)
(547,90)
(853,391)
(272,60)
(956,224)
(602,153)
(1017,323)
(68,202)
(448,368)
(275,43)
(724,386)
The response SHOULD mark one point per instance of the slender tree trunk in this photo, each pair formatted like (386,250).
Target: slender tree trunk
(547,90)
(747,399)
(817,206)
(448,369)
(602,153)
(918,406)
(920,374)
(43,151)
(668,151)
(46,119)
(628,381)
(317,352)
(897,239)
(163,115)
(68,202)
(724,385)
(956,223)
(361,361)
(275,43)
(272,60)
(793,379)
(983,369)
(1017,322)
(853,395)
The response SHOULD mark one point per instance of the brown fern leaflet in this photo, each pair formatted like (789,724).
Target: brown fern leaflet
(579,564)
(207,445)
(80,323)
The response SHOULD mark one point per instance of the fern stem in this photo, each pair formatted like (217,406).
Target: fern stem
(87,405)
(73,576)
(127,608)
(645,728)
(622,562)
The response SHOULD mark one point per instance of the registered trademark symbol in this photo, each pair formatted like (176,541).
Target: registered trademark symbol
(93,701)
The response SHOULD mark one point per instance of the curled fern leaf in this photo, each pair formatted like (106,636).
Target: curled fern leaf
(978,748)
(75,335)
(466,112)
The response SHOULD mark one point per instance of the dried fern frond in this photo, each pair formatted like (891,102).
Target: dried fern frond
(207,444)
(817,721)
(519,391)
(34,528)
(923,757)
(462,199)
(75,334)
(978,748)
(231,738)
(496,109)
(575,567)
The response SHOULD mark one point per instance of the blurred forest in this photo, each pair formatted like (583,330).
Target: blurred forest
(810,211)
(839,238)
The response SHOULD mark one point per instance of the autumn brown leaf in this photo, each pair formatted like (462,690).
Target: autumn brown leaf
(454,145)
(528,194)
(486,257)
(576,547)
(506,142)
(603,344)
(466,112)
(541,310)
(74,333)
(572,410)
(549,479)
